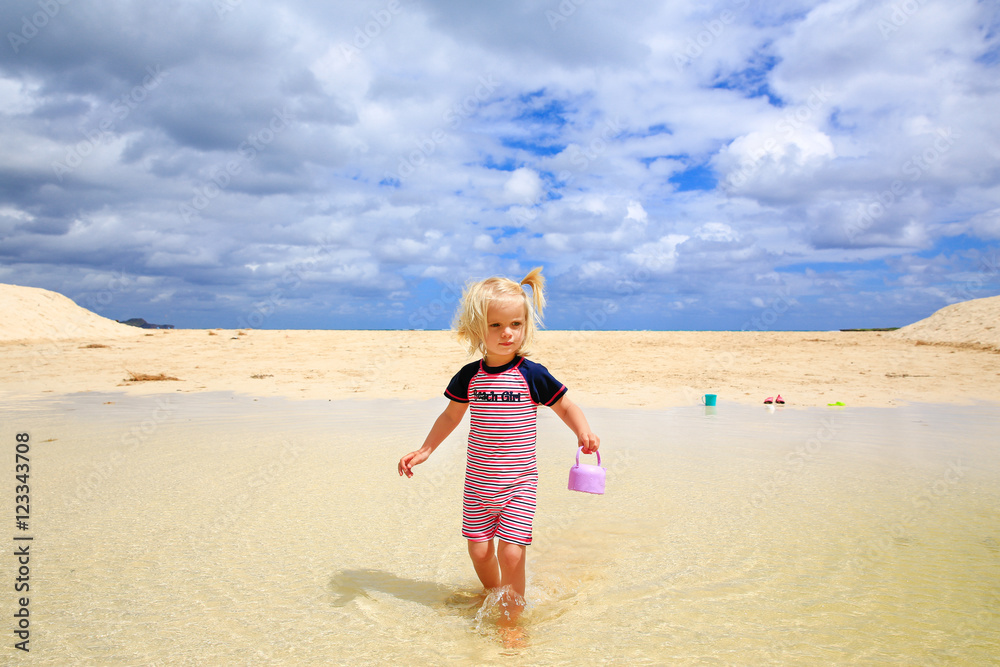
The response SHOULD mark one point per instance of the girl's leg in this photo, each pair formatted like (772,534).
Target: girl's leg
(485,561)
(512,558)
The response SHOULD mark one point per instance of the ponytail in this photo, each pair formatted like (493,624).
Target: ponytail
(536,281)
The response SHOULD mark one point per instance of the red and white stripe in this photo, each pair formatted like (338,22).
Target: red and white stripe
(501,475)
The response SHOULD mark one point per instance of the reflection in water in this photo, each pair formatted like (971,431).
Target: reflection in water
(223,530)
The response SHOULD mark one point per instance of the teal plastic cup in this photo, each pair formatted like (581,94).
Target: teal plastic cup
(709,400)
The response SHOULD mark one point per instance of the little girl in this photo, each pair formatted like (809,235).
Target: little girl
(497,319)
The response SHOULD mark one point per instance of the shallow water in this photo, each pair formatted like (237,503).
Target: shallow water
(219,529)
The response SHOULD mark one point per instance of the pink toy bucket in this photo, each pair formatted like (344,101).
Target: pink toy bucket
(587,478)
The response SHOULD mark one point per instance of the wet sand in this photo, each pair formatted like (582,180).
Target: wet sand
(249,511)
(221,528)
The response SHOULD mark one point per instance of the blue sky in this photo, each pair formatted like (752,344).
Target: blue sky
(683,165)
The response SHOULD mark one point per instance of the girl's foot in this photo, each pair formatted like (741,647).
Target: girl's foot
(513,637)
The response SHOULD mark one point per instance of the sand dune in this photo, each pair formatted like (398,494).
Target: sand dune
(31,313)
(973,323)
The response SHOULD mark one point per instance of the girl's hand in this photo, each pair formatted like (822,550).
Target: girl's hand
(444,425)
(413,458)
(589,441)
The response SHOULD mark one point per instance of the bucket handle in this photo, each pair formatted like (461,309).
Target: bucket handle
(580,449)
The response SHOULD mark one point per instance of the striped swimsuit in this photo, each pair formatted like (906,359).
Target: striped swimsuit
(501,477)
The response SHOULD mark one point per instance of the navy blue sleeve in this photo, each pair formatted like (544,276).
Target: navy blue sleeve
(458,388)
(545,389)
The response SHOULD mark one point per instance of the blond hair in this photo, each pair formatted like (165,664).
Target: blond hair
(471,321)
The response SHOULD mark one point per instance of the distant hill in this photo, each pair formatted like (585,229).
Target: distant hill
(973,323)
(31,313)
(143,324)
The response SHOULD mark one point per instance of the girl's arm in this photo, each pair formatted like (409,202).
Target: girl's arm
(572,415)
(445,424)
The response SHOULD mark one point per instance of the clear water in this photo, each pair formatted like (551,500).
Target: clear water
(219,529)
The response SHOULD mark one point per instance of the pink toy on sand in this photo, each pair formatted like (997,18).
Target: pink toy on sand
(587,478)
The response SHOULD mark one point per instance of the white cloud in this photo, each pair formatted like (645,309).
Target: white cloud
(523,187)
(769,163)
(457,139)
(17,97)
(636,212)
(717,231)
(986,224)
(659,256)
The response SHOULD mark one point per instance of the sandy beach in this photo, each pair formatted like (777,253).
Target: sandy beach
(249,511)
(952,357)
(612,369)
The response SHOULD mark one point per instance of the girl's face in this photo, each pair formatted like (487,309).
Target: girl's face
(504,331)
